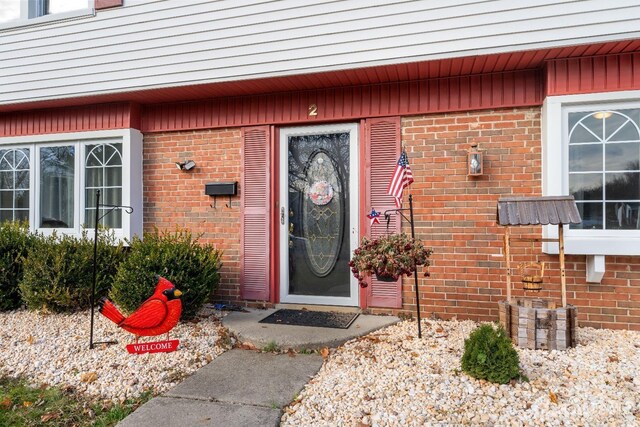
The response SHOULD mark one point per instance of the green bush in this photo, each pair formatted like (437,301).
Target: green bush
(193,268)
(15,242)
(58,271)
(489,355)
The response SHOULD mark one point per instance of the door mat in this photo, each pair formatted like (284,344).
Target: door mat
(322,319)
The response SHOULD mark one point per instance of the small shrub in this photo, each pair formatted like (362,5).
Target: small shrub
(58,271)
(191,267)
(15,242)
(489,355)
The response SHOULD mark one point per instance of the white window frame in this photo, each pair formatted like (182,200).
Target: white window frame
(131,140)
(27,6)
(555,173)
(31,183)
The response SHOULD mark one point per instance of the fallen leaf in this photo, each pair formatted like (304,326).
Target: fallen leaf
(553,397)
(247,346)
(26,403)
(30,339)
(613,358)
(6,403)
(88,377)
(324,352)
(364,424)
(208,358)
(291,352)
(414,354)
(50,416)
(439,330)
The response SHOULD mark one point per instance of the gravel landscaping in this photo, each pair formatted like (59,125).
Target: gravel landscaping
(388,378)
(54,350)
(391,378)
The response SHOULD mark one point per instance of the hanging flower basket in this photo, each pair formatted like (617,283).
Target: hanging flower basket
(388,257)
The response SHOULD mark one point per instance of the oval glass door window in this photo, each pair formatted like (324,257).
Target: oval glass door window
(322,214)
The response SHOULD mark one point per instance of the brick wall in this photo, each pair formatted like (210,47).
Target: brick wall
(175,198)
(456,215)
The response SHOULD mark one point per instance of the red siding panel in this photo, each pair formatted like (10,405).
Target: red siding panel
(254,226)
(382,150)
(461,93)
(70,119)
(607,73)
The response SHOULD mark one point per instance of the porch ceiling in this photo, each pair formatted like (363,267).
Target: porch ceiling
(495,63)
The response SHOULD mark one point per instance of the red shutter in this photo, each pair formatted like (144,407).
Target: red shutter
(254,225)
(382,151)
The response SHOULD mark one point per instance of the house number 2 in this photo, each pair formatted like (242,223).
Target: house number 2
(313,110)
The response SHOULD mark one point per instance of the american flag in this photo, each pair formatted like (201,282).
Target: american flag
(401,178)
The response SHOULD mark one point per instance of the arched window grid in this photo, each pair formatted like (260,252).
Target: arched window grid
(14,184)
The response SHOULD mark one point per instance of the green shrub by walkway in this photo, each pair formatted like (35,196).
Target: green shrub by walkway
(58,271)
(192,267)
(15,242)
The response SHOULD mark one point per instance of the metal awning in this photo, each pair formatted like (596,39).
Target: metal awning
(537,211)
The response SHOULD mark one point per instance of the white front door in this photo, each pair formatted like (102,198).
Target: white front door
(318,214)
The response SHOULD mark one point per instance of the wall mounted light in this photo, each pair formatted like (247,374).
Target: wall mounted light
(186,166)
(474,161)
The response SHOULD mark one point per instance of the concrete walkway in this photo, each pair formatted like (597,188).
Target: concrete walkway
(246,387)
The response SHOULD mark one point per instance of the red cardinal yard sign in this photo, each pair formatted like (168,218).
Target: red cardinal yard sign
(156,316)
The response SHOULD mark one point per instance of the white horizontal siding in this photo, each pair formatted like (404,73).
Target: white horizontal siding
(169,43)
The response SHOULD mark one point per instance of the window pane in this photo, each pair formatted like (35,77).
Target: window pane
(6,215)
(586,186)
(113,177)
(9,10)
(621,157)
(57,170)
(6,180)
(113,196)
(93,178)
(113,219)
(591,214)
(22,199)
(6,199)
(113,156)
(90,198)
(623,186)
(588,128)
(21,215)
(22,180)
(585,158)
(59,6)
(623,216)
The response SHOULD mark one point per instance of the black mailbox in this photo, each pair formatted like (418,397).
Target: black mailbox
(221,188)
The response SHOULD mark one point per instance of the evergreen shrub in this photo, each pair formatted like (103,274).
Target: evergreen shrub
(15,242)
(58,271)
(192,267)
(489,355)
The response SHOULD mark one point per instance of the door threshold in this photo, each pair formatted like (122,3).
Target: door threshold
(314,307)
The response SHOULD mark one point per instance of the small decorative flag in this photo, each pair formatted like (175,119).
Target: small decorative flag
(402,178)
(374,217)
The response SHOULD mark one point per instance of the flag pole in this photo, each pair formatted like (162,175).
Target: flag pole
(415,272)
